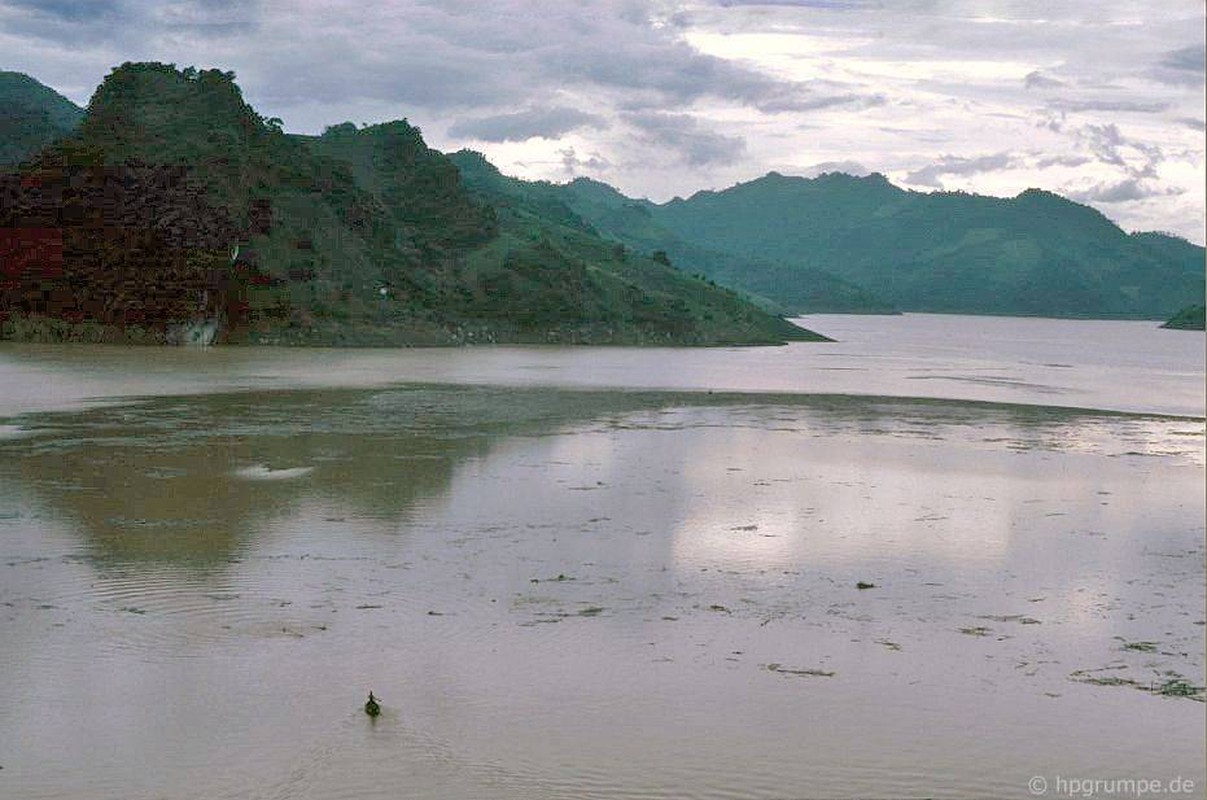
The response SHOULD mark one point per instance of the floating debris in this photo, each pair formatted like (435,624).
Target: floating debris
(561,577)
(811,673)
(372,707)
(1140,647)
(262,472)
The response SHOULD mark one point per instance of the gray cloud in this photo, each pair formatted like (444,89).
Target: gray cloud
(835,5)
(683,135)
(1037,80)
(550,123)
(1190,59)
(68,10)
(801,98)
(1124,191)
(1184,66)
(64,22)
(847,166)
(1063,161)
(1139,159)
(1136,106)
(955,165)
(572,165)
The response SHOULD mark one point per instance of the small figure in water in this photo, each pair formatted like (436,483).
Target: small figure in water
(372,707)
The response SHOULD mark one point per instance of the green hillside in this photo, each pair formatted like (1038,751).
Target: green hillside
(1035,254)
(652,294)
(31,117)
(359,236)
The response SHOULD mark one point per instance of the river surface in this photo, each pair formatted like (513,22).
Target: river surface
(608,573)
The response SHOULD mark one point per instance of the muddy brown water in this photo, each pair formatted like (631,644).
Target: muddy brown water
(559,588)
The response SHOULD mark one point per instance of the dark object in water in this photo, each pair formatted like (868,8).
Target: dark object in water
(862,585)
(372,707)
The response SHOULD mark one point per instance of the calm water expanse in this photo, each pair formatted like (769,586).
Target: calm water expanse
(607,573)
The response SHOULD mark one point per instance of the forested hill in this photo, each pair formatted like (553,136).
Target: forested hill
(359,236)
(1034,254)
(786,285)
(31,117)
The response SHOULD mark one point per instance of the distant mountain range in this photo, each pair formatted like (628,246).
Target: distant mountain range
(173,205)
(779,237)
(170,202)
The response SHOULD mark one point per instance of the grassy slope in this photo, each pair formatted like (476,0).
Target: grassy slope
(640,298)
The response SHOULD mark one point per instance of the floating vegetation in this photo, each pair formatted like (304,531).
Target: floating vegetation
(1172,685)
(890,645)
(1019,618)
(811,673)
(1178,686)
(1140,647)
(979,630)
(590,611)
(1109,680)
(865,585)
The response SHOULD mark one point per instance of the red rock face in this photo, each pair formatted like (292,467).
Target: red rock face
(125,245)
(27,253)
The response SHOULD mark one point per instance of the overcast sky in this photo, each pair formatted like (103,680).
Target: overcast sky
(1099,100)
